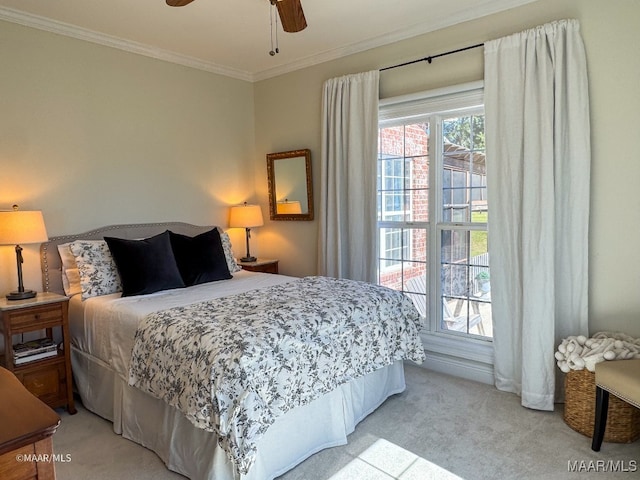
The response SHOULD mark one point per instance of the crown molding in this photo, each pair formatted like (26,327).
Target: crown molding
(484,8)
(61,28)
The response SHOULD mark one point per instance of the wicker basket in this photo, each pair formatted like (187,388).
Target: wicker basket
(623,420)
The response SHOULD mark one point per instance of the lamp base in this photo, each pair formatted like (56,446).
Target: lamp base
(21,295)
(248,259)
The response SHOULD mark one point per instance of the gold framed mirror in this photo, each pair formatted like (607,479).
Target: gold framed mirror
(290,185)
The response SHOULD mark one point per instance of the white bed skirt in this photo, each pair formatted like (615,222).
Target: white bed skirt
(195,453)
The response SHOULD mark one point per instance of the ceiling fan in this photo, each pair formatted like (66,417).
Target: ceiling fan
(290,11)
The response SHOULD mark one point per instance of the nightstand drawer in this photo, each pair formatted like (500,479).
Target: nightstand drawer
(268,268)
(263,266)
(47,382)
(42,316)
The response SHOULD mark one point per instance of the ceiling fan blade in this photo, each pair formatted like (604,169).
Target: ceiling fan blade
(291,15)
(178,3)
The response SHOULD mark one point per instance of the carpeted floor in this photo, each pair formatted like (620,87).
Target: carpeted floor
(441,427)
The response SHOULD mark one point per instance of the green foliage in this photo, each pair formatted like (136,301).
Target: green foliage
(467,131)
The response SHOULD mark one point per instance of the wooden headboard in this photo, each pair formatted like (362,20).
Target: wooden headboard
(51,264)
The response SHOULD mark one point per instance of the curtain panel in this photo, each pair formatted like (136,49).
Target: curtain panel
(538,143)
(347,230)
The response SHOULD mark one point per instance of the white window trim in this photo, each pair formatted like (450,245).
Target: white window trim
(413,106)
(459,357)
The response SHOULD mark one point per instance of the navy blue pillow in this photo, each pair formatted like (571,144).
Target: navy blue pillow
(145,266)
(201,258)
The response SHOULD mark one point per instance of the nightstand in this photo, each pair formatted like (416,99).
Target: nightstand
(50,378)
(261,265)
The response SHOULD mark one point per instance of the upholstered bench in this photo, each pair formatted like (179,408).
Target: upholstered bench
(620,378)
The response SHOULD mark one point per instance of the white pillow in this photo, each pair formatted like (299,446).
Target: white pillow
(97,270)
(70,274)
(73,285)
(68,260)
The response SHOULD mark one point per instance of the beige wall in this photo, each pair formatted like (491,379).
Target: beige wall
(95,136)
(288,117)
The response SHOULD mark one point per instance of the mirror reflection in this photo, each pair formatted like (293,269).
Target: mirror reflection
(289,176)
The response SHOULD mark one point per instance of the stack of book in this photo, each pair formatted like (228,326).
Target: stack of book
(34,350)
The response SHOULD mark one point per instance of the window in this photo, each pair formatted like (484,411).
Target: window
(432,209)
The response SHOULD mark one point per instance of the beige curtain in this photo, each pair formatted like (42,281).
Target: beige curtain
(347,247)
(538,173)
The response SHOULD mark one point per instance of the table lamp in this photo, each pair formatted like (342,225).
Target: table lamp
(246,216)
(21,227)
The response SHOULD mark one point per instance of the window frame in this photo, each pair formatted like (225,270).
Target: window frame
(439,224)
(407,109)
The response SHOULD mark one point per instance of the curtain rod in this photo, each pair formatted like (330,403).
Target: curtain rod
(430,59)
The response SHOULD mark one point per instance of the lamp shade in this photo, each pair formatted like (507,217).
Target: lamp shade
(289,207)
(22,227)
(245,216)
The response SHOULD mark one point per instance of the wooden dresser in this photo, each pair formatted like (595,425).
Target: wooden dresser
(27,426)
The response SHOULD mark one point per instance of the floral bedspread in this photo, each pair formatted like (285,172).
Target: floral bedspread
(234,364)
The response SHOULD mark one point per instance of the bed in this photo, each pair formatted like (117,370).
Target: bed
(140,360)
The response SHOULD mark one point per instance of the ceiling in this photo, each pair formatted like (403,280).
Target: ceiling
(232,37)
